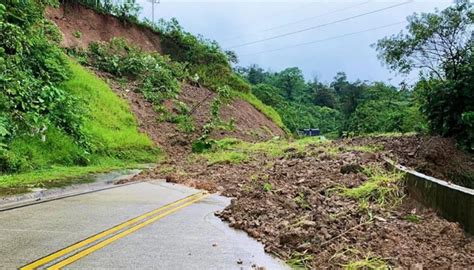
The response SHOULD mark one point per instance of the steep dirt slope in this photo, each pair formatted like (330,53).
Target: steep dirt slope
(81,26)
(250,124)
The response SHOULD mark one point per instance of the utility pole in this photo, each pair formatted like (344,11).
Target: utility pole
(153,2)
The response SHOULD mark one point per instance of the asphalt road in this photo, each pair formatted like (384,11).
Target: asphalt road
(150,225)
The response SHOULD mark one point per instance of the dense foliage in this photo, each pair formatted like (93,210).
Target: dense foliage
(441,45)
(158,77)
(126,10)
(204,58)
(31,69)
(335,108)
(48,104)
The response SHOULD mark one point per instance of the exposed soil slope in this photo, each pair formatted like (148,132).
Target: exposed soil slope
(75,20)
(250,124)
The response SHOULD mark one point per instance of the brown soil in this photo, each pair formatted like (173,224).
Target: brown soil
(303,214)
(250,124)
(434,156)
(94,26)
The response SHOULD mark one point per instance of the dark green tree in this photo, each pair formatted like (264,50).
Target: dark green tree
(291,81)
(440,45)
(324,96)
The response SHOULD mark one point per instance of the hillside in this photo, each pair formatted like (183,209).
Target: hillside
(97,117)
(89,87)
(249,123)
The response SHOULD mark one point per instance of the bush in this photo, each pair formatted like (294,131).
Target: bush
(158,76)
(202,57)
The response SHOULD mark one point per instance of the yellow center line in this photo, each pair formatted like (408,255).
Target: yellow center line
(116,237)
(87,241)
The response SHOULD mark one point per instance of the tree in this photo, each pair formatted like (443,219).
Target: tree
(292,82)
(254,74)
(349,94)
(441,46)
(324,96)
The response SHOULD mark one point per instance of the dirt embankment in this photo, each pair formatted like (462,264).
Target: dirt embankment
(249,124)
(80,26)
(434,156)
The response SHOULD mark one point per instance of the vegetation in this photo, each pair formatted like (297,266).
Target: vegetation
(56,118)
(338,108)
(440,45)
(157,76)
(205,60)
(382,187)
(370,263)
(232,150)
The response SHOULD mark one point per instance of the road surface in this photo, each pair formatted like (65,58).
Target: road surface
(148,225)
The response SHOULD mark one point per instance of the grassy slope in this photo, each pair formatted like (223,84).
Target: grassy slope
(110,126)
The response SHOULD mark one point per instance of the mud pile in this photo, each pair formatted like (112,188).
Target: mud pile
(294,206)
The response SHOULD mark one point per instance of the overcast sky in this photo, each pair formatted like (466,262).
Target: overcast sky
(234,23)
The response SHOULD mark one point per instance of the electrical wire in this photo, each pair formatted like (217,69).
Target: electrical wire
(300,21)
(319,26)
(326,39)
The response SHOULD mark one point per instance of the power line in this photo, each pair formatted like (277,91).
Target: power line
(303,20)
(319,26)
(327,39)
(233,37)
(315,17)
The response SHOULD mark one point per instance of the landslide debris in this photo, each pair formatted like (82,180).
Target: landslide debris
(324,205)
(433,156)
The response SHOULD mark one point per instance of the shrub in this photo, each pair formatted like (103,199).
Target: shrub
(158,76)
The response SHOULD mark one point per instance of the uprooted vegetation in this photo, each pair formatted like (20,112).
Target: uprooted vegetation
(319,204)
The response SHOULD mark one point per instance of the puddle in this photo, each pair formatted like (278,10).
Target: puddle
(58,188)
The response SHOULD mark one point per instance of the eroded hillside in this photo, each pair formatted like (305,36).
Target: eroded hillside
(81,27)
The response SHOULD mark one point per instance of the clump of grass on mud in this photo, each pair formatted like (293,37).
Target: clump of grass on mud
(235,151)
(382,187)
(268,111)
(300,260)
(369,263)
(360,261)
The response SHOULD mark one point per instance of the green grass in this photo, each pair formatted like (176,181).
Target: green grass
(57,176)
(369,263)
(231,150)
(268,111)
(109,125)
(300,260)
(382,187)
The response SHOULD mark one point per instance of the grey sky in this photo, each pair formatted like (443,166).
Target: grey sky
(237,22)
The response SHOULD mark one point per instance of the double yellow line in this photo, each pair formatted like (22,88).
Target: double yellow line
(135,223)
